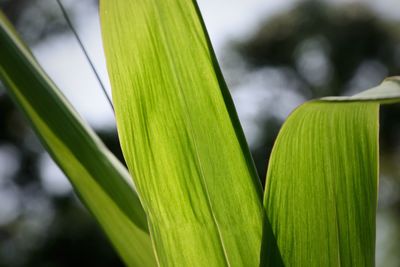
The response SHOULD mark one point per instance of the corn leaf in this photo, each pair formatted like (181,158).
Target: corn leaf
(321,187)
(102,183)
(180,135)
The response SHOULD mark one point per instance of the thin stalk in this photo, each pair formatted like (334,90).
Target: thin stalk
(69,23)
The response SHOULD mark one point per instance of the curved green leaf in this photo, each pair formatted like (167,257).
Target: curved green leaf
(102,183)
(321,187)
(180,135)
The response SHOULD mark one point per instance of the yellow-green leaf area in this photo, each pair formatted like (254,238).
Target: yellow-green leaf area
(180,135)
(322,182)
(322,186)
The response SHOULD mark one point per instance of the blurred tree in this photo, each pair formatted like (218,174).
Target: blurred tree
(326,50)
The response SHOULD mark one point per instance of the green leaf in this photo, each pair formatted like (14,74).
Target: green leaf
(102,183)
(321,187)
(180,135)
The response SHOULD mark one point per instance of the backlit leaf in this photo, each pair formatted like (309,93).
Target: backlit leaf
(321,187)
(180,135)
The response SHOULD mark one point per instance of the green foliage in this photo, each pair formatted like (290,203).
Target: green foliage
(102,183)
(321,188)
(180,135)
(184,145)
(320,193)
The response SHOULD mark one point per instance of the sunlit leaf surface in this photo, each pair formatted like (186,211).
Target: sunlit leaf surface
(180,135)
(321,187)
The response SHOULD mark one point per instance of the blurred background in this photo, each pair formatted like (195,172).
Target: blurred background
(274,54)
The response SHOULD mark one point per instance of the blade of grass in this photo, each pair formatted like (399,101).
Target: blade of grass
(102,183)
(180,135)
(321,187)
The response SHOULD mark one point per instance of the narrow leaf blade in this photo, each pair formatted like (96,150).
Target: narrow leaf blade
(180,135)
(102,183)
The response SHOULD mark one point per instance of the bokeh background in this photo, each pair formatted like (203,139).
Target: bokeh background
(274,54)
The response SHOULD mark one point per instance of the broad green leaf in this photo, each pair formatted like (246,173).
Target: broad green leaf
(180,135)
(102,183)
(321,187)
